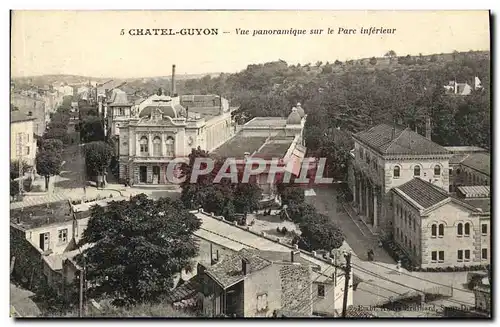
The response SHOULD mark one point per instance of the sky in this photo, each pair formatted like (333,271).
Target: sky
(89,42)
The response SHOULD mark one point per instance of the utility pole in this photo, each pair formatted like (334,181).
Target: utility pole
(20,148)
(346,286)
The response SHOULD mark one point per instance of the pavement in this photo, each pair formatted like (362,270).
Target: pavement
(381,278)
(21,303)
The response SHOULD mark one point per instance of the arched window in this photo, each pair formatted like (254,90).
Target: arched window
(441,230)
(437,170)
(460,229)
(416,171)
(433,230)
(467,229)
(397,171)
(170,146)
(143,144)
(157,146)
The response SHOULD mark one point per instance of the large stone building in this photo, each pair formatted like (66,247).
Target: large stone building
(400,182)
(388,156)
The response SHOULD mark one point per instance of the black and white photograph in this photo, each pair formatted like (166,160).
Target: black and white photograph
(221,164)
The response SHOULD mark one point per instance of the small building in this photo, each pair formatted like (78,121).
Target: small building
(33,106)
(22,137)
(437,230)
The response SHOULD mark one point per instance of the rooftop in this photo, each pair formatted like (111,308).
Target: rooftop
(266,122)
(236,238)
(41,215)
(423,193)
(237,146)
(387,139)
(458,158)
(464,149)
(228,271)
(17,116)
(478,161)
(274,149)
(479,191)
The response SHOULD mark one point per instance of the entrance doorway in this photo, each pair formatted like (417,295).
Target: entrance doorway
(143,174)
(44,239)
(156,174)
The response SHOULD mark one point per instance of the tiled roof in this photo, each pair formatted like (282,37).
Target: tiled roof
(480,203)
(423,193)
(478,161)
(464,149)
(167,109)
(229,270)
(475,191)
(404,141)
(18,116)
(457,158)
(41,215)
(184,291)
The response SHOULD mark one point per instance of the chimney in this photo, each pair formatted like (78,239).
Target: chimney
(244,266)
(173,80)
(428,128)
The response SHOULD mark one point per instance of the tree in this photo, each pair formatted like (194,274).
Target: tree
(48,164)
(290,194)
(319,233)
(373,61)
(246,197)
(52,145)
(138,247)
(97,158)
(14,168)
(390,54)
(91,129)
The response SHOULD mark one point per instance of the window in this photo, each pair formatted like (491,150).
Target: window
(321,290)
(450,171)
(262,302)
(467,255)
(170,146)
(157,146)
(434,256)
(484,254)
(121,112)
(460,229)
(397,232)
(405,218)
(437,170)
(143,143)
(433,230)
(409,220)
(415,225)
(27,150)
(396,172)
(460,255)
(441,230)
(406,240)
(63,235)
(441,256)
(467,229)
(484,229)
(361,152)
(416,171)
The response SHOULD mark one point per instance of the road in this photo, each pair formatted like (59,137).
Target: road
(381,280)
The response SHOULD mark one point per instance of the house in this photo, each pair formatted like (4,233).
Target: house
(387,156)
(33,106)
(252,283)
(436,229)
(457,174)
(22,137)
(220,241)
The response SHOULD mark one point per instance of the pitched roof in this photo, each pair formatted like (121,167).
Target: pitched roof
(229,271)
(388,139)
(478,161)
(423,193)
(475,191)
(18,116)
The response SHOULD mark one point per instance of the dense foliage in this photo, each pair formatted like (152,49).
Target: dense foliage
(223,198)
(357,94)
(91,129)
(97,157)
(138,246)
(48,163)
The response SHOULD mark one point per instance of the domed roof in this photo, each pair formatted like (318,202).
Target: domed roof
(293,118)
(300,110)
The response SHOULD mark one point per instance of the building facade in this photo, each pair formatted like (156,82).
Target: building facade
(22,138)
(33,106)
(388,156)
(437,230)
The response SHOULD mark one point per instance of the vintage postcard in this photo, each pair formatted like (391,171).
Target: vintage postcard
(210,164)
